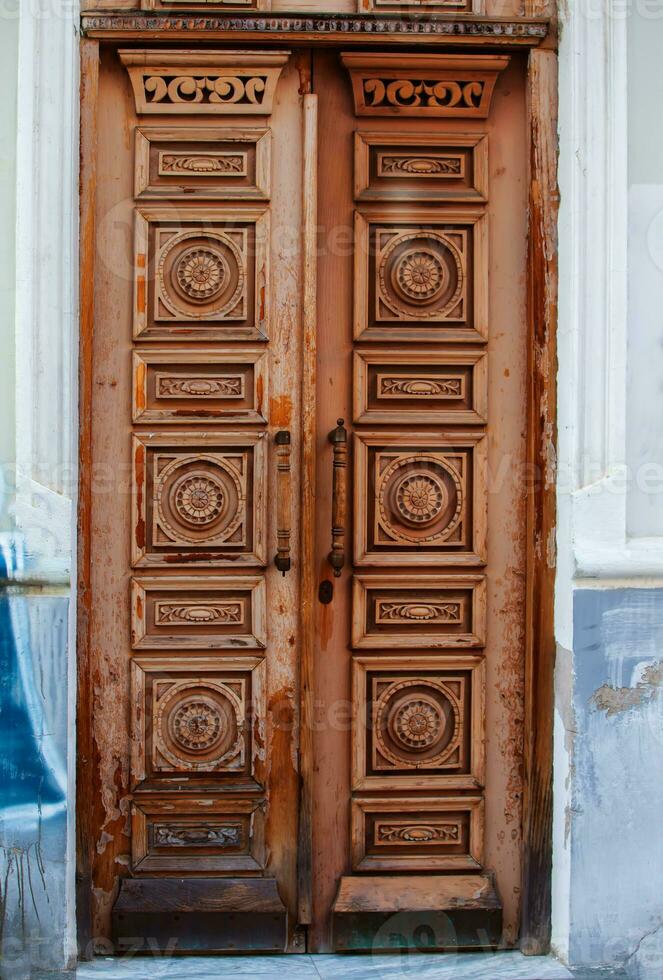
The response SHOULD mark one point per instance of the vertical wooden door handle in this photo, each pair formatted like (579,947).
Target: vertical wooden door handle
(339,440)
(283,502)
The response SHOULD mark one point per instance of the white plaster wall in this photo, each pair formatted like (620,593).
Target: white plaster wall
(607,866)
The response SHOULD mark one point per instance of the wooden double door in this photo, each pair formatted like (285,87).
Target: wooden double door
(307,525)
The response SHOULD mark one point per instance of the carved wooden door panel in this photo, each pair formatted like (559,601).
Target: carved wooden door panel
(307,591)
(421,340)
(195,572)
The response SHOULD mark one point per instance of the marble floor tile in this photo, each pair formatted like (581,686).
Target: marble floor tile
(464,966)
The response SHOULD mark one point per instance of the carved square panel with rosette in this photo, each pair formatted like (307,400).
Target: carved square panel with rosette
(196,718)
(200,385)
(201,274)
(416,724)
(397,387)
(420,500)
(441,612)
(426,167)
(212,613)
(419,277)
(441,834)
(199,499)
(203,164)
(197,835)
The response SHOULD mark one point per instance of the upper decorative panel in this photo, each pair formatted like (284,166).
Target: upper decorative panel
(201,274)
(213,83)
(203,164)
(398,6)
(425,167)
(420,275)
(229,5)
(422,85)
(199,499)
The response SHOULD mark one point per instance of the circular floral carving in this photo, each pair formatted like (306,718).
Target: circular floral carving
(197,724)
(420,275)
(417,723)
(420,498)
(201,273)
(199,499)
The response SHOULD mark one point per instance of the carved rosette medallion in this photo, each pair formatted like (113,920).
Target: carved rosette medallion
(198,499)
(419,498)
(201,275)
(198,725)
(420,275)
(417,723)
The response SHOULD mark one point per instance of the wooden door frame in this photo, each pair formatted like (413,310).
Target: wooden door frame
(536,35)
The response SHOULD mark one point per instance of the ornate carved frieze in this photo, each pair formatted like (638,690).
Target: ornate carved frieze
(203,164)
(208,613)
(204,82)
(199,499)
(195,717)
(420,277)
(200,834)
(423,611)
(393,166)
(422,85)
(402,388)
(419,502)
(418,723)
(200,386)
(362,29)
(426,834)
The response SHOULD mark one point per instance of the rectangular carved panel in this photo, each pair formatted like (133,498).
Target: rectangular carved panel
(420,276)
(442,612)
(420,499)
(197,835)
(421,167)
(201,274)
(417,724)
(208,164)
(423,85)
(197,719)
(211,613)
(199,499)
(420,387)
(200,386)
(204,82)
(440,834)
(210,5)
(437,6)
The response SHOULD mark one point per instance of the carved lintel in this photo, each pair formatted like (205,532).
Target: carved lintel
(358,28)
(204,82)
(389,84)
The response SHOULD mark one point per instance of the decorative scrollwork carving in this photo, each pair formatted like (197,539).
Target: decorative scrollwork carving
(423,92)
(420,166)
(440,612)
(199,614)
(421,387)
(242,89)
(419,833)
(201,164)
(228,835)
(200,387)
